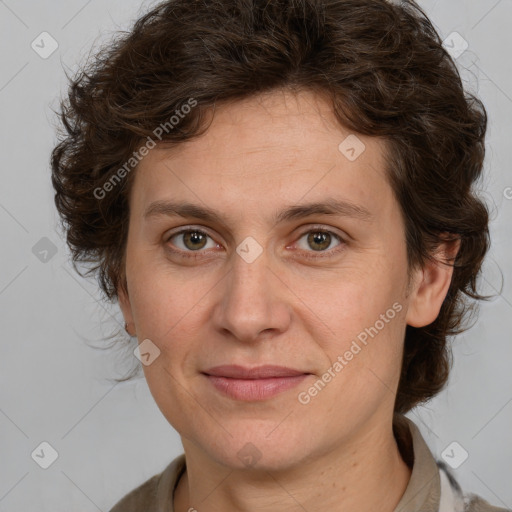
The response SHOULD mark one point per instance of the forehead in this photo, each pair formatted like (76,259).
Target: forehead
(275,148)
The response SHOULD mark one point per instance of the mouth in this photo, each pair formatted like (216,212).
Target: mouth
(253,384)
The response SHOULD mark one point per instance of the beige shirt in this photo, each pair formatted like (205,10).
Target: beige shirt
(431,488)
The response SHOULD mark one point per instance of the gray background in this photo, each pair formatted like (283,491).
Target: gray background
(54,387)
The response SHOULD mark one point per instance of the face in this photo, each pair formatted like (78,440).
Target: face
(267,281)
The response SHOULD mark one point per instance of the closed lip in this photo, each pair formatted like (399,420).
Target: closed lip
(258,372)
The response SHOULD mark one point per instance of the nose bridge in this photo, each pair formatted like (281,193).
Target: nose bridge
(249,275)
(251,300)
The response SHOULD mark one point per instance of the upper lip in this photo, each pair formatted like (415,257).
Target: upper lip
(258,372)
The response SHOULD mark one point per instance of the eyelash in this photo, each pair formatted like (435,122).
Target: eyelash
(314,229)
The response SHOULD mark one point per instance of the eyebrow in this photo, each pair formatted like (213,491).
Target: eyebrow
(329,206)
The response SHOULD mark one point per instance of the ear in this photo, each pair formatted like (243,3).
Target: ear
(431,284)
(126,308)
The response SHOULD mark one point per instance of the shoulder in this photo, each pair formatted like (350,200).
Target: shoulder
(474,503)
(462,501)
(432,487)
(139,498)
(155,494)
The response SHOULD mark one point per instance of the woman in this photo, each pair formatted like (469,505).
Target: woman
(279,195)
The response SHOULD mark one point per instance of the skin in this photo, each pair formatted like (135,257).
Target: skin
(259,156)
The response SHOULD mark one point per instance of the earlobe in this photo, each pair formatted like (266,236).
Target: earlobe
(432,283)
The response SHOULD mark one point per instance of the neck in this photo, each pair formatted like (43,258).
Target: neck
(367,474)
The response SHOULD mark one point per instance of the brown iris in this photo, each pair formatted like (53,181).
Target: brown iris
(319,238)
(194,237)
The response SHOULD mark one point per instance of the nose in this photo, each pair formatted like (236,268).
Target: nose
(253,301)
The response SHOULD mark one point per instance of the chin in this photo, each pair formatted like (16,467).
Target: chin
(260,447)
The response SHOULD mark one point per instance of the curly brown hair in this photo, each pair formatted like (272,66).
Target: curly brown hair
(384,67)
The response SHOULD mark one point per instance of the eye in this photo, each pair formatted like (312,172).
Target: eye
(192,240)
(320,240)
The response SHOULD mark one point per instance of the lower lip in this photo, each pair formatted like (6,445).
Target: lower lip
(254,389)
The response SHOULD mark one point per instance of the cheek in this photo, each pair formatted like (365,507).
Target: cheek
(163,299)
(365,359)
(367,317)
(352,301)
